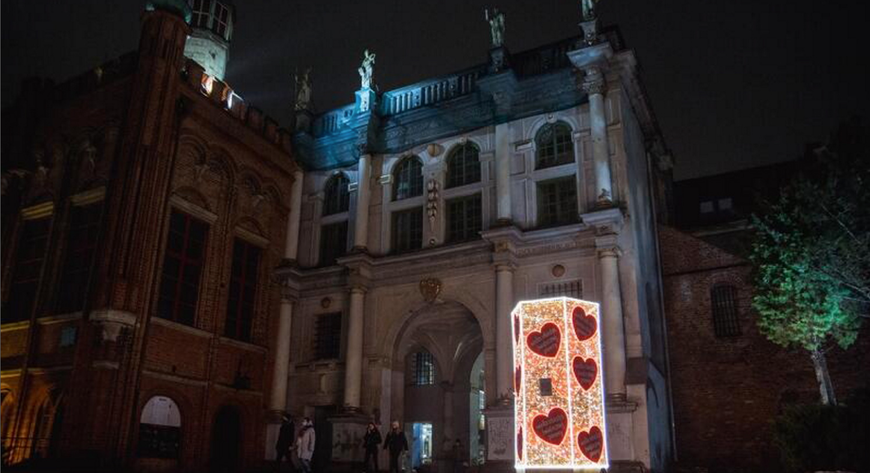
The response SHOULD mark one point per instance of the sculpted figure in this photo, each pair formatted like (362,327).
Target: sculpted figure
(588,8)
(366,71)
(303,90)
(496,26)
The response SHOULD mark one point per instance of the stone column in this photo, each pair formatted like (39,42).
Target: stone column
(595,86)
(612,326)
(292,247)
(503,173)
(361,225)
(504,279)
(448,436)
(353,359)
(278,398)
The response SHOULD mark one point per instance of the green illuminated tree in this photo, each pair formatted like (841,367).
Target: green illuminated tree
(811,253)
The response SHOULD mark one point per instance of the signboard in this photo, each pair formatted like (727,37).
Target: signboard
(559,402)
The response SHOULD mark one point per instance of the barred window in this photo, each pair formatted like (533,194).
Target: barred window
(336,197)
(573,289)
(243,290)
(424,368)
(28,269)
(557,202)
(327,336)
(182,267)
(408,230)
(723,301)
(463,218)
(409,179)
(463,165)
(554,146)
(80,251)
(333,242)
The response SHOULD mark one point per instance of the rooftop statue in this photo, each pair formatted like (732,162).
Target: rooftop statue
(303,90)
(588,8)
(496,26)
(366,71)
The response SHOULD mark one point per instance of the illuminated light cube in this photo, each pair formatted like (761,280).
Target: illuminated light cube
(559,386)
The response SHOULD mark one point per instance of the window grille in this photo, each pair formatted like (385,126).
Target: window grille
(463,218)
(424,368)
(463,165)
(408,230)
(554,146)
(573,289)
(336,197)
(723,301)
(333,242)
(182,267)
(327,336)
(557,202)
(409,179)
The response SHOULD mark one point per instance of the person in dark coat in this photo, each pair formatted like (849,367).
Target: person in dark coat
(285,441)
(371,440)
(397,444)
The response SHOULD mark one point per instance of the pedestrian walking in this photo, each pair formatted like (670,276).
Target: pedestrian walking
(397,444)
(305,445)
(285,442)
(458,456)
(371,440)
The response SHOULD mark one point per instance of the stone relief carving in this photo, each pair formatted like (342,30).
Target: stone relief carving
(430,288)
(432,201)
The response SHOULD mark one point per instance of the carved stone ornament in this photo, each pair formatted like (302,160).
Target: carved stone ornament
(432,201)
(430,288)
(558,271)
(325,302)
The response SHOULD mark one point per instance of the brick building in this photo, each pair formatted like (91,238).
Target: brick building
(728,381)
(145,206)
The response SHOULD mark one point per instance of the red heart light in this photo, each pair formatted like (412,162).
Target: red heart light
(585,371)
(518,378)
(591,443)
(584,325)
(551,428)
(547,341)
(520,443)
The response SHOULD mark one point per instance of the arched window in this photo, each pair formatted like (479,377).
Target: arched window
(424,368)
(554,145)
(160,429)
(463,165)
(723,302)
(409,179)
(336,197)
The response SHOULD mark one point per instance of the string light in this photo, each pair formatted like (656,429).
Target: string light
(559,401)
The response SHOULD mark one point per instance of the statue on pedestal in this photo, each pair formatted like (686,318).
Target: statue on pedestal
(303,90)
(588,8)
(496,26)
(366,71)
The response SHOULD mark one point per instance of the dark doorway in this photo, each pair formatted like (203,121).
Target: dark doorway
(323,438)
(226,441)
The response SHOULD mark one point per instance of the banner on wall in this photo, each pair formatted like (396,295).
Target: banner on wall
(559,401)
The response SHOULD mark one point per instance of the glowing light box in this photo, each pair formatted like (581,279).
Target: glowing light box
(559,401)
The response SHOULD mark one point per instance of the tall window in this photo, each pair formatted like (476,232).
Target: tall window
(463,218)
(409,179)
(336,197)
(182,267)
(201,12)
(243,290)
(557,202)
(554,146)
(81,245)
(408,230)
(463,165)
(723,300)
(221,20)
(28,269)
(424,368)
(327,336)
(333,242)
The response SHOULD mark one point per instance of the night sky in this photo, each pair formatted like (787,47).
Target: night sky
(734,83)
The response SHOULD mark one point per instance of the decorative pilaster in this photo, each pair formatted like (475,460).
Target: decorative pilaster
(503,174)
(612,325)
(504,280)
(292,243)
(278,396)
(361,224)
(353,360)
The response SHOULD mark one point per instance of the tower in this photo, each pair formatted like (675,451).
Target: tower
(211,33)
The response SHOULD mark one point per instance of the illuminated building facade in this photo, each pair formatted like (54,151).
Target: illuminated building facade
(428,211)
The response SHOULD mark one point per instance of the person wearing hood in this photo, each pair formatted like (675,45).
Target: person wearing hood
(305,445)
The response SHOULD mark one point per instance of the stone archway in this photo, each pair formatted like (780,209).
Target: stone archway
(433,359)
